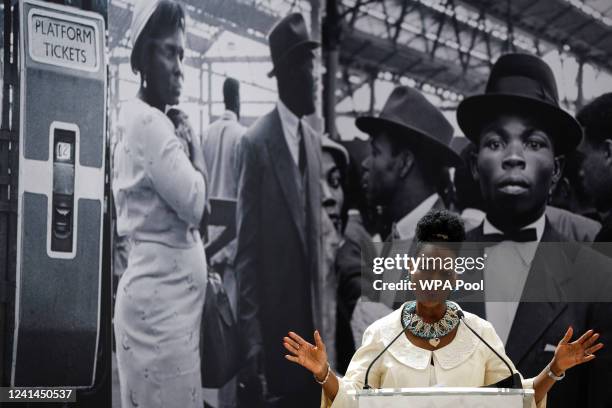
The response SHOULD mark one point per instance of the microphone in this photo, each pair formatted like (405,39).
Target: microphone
(514,380)
(366,386)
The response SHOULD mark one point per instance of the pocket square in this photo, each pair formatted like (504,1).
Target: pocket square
(550,347)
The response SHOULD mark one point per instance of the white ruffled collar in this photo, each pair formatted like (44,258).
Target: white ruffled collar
(456,352)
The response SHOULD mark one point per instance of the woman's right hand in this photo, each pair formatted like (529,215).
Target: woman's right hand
(312,357)
(195,151)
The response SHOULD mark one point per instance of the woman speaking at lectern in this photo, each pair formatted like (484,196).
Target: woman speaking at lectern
(436,350)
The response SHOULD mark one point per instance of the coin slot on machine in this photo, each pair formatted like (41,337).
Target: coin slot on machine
(62,216)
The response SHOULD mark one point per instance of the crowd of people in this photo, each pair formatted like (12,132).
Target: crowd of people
(311,211)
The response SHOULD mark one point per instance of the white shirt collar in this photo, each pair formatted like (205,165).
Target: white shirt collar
(406,227)
(289,123)
(538,224)
(289,120)
(526,250)
(473,213)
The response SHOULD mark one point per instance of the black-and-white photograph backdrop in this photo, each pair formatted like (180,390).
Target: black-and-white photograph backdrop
(193,194)
(227,229)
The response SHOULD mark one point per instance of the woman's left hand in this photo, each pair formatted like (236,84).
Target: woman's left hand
(568,355)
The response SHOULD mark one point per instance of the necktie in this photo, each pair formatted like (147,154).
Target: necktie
(524,235)
(388,243)
(387,297)
(302,150)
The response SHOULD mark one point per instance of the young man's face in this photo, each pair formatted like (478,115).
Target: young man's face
(516,168)
(383,169)
(596,172)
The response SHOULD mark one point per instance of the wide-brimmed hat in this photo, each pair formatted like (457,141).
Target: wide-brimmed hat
(521,83)
(287,36)
(409,115)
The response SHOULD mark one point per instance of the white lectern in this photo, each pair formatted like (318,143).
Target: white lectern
(444,397)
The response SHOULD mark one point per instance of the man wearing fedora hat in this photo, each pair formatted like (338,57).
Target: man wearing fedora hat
(402,177)
(278,221)
(521,135)
(410,150)
(596,171)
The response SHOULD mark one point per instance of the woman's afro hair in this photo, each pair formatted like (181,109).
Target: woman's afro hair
(440,226)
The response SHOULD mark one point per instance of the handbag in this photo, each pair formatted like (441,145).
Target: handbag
(218,336)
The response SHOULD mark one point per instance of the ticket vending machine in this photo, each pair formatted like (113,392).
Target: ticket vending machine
(60,209)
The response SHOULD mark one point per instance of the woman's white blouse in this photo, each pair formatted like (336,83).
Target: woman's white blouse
(159,196)
(464,362)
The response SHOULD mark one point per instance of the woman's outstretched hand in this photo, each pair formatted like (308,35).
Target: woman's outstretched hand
(312,357)
(568,355)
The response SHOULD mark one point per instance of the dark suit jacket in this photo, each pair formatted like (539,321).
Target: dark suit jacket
(277,259)
(553,273)
(603,240)
(349,267)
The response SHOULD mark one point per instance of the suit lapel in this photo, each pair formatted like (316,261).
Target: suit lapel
(533,319)
(439,205)
(474,303)
(284,168)
(548,274)
(313,207)
(312,185)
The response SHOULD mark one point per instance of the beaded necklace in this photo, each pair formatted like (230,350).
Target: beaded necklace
(430,331)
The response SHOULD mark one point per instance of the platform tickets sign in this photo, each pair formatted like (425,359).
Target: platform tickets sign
(63,40)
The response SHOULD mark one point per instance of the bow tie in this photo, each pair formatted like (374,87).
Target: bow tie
(524,235)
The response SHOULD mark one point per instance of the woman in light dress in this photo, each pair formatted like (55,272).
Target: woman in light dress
(160,197)
(452,358)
